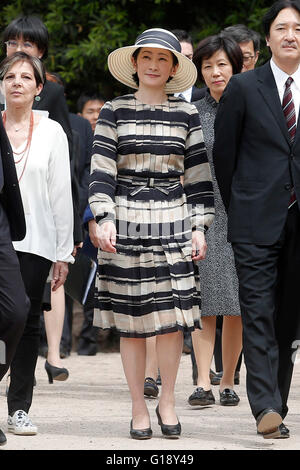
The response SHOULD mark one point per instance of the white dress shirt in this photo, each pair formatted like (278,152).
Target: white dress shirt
(46,194)
(281,78)
(187,94)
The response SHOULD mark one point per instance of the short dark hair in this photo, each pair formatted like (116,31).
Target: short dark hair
(135,56)
(241,33)
(30,28)
(56,78)
(182,36)
(211,44)
(274,10)
(36,64)
(85,97)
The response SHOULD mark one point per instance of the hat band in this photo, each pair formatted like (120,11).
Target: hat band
(160,38)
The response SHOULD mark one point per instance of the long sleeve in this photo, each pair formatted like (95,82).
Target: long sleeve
(197,177)
(228,124)
(87,215)
(103,167)
(60,197)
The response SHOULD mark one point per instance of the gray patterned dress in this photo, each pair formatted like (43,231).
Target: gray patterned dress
(218,279)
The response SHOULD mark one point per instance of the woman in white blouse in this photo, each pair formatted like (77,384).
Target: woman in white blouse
(41,155)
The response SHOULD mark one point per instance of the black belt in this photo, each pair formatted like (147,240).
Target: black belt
(162,184)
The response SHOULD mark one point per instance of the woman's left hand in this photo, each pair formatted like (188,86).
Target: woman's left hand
(199,245)
(60,272)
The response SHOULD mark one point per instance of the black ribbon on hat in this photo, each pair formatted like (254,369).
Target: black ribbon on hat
(165,39)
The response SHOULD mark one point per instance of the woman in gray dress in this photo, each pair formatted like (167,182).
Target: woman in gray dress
(217,58)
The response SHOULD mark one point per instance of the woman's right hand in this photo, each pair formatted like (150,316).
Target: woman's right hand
(103,236)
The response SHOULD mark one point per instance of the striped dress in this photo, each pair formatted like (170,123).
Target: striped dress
(150,285)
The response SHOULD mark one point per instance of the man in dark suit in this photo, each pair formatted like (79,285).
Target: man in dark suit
(14,304)
(249,42)
(84,142)
(257,164)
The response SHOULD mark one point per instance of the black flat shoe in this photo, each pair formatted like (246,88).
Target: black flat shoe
(268,423)
(140,434)
(88,351)
(56,373)
(3,440)
(228,397)
(201,397)
(150,387)
(170,431)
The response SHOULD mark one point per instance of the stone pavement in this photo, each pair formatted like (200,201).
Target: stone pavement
(91,411)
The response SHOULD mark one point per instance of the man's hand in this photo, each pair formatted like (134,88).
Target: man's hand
(103,236)
(199,245)
(60,272)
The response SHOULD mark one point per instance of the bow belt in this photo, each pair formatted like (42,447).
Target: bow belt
(162,184)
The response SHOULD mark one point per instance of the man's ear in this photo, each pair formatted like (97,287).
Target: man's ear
(267,40)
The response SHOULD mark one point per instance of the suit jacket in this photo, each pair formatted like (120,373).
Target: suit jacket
(198,93)
(84,132)
(10,197)
(255,163)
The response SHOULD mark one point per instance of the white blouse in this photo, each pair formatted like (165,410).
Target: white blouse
(46,194)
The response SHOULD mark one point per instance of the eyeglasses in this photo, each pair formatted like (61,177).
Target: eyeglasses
(248,58)
(27,46)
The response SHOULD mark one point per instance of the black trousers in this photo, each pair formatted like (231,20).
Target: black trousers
(34,270)
(89,333)
(14,305)
(269,279)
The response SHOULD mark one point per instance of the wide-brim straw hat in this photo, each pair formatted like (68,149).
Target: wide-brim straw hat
(121,67)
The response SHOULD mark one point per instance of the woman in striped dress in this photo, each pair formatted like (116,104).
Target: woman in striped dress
(150,226)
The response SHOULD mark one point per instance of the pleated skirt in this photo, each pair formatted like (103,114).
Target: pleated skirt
(150,285)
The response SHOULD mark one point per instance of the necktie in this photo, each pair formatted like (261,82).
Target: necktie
(288,108)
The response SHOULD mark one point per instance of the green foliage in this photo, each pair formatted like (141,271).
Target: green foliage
(84,32)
